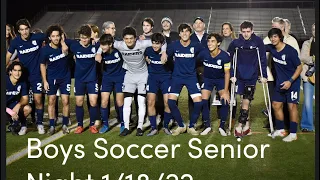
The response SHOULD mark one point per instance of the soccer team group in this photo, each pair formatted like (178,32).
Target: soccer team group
(144,67)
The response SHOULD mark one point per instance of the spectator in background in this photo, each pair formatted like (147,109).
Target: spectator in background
(147,27)
(170,36)
(10,34)
(287,28)
(308,52)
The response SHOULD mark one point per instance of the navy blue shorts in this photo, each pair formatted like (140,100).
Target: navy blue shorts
(35,84)
(64,85)
(110,82)
(191,83)
(156,82)
(209,84)
(81,88)
(292,95)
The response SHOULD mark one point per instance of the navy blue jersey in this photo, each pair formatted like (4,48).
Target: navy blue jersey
(15,92)
(85,69)
(214,66)
(57,62)
(247,59)
(29,52)
(112,63)
(285,62)
(184,58)
(155,66)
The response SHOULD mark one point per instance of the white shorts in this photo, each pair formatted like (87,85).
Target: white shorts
(135,81)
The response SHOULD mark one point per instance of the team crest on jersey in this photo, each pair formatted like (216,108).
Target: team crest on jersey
(34,42)
(219,62)
(19,88)
(283,57)
(116,55)
(192,49)
(93,50)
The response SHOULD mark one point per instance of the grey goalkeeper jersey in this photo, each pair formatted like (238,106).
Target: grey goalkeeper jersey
(134,60)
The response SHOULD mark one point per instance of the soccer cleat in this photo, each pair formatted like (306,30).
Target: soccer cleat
(41,129)
(222,132)
(65,129)
(125,132)
(179,130)
(79,130)
(238,132)
(153,132)
(291,137)
(104,129)
(23,131)
(167,131)
(246,131)
(121,129)
(93,129)
(51,130)
(192,131)
(206,131)
(139,132)
(280,133)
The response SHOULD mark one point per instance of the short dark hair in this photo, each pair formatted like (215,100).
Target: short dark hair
(14,63)
(85,30)
(157,38)
(54,28)
(23,22)
(106,39)
(129,31)
(184,26)
(246,24)
(215,35)
(275,31)
(148,20)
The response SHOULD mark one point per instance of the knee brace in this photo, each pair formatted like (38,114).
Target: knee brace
(249,92)
(244,114)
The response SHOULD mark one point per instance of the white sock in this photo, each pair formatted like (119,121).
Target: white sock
(141,110)
(126,111)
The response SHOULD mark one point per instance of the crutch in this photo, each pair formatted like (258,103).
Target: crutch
(232,99)
(267,102)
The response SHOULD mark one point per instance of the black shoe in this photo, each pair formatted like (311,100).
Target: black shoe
(139,132)
(14,129)
(125,132)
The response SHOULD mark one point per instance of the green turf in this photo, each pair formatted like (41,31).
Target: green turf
(282,160)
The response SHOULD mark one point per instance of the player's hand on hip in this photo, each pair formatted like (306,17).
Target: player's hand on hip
(233,79)
(285,85)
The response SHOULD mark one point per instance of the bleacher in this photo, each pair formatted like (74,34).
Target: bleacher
(71,20)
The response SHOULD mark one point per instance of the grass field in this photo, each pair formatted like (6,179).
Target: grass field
(281,161)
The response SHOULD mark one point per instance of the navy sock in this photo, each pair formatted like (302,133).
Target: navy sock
(39,116)
(153,122)
(51,122)
(121,115)
(93,111)
(205,113)
(223,113)
(65,120)
(79,115)
(166,119)
(105,115)
(195,114)
(15,123)
(293,127)
(23,121)
(175,112)
(279,124)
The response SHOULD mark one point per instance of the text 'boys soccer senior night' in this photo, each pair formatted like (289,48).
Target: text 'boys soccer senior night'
(147,151)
